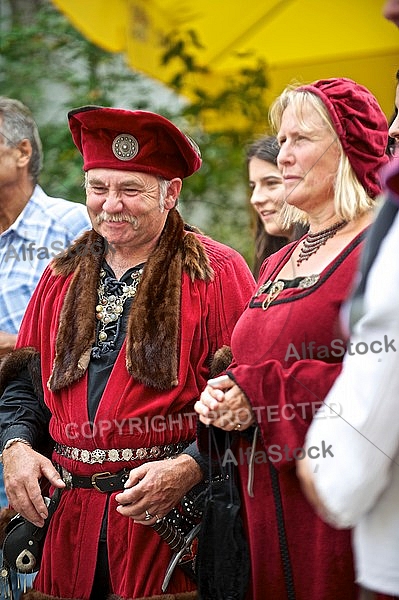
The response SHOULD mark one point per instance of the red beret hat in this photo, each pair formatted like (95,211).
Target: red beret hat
(114,138)
(360,124)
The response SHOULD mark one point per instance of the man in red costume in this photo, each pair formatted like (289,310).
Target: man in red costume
(114,350)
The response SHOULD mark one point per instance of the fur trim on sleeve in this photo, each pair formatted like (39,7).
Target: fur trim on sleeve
(35,595)
(6,514)
(221,360)
(19,359)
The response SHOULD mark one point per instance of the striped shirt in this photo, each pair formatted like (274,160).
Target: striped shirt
(45,227)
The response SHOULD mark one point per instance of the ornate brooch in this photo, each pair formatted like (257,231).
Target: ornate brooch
(112,295)
(273,288)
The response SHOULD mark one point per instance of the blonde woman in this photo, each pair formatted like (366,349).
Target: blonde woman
(287,346)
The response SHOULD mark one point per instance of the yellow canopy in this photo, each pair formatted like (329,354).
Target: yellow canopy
(300,40)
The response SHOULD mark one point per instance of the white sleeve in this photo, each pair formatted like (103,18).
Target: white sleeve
(362,424)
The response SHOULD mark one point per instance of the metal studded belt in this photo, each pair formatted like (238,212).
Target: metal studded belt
(98,455)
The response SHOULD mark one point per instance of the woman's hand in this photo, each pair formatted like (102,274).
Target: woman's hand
(224,405)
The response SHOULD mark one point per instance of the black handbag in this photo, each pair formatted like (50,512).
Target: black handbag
(223,563)
(23,542)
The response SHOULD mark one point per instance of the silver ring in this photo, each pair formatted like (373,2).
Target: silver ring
(237,427)
(148,516)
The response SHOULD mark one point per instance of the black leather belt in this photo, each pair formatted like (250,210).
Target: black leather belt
(102,482)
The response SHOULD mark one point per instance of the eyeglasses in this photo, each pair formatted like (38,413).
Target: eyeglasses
(393,150)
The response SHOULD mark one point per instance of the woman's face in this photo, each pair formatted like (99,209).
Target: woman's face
(267,187)
(308,160)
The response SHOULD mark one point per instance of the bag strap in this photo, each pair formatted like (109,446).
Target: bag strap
(54,502)
(226,470)
(285,555)
(40,532)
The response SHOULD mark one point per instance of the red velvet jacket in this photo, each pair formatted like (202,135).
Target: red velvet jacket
(130,415)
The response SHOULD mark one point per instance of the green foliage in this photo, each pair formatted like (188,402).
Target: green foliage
(49,66)
(62,174)
(215,198)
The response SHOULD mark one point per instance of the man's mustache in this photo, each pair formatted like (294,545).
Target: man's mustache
(116,218)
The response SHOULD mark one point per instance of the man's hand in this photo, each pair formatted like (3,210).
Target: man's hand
(23,468)
(7,342)
(156,487)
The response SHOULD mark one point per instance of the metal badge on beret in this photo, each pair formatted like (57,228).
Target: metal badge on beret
(125,146)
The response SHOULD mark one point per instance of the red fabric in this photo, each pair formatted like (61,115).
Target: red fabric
(158,147)
(272,365)
(360,124)
(390,177)
(129,416)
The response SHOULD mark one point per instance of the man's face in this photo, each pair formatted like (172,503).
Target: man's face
(8,162)
(123,206)
(391,11)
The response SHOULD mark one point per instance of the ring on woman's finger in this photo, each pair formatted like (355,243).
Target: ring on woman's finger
(158,518)
(148,516)
(237,427)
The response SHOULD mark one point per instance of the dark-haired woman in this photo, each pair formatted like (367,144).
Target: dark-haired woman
(267,198)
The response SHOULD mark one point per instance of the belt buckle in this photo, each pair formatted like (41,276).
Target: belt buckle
(100,476)
(66,476)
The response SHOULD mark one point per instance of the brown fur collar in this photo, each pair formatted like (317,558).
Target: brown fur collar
(153,325)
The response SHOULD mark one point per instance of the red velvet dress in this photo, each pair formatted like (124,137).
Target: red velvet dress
(130,415)
(285,359)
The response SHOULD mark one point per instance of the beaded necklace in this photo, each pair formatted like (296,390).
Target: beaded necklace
(314,241)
